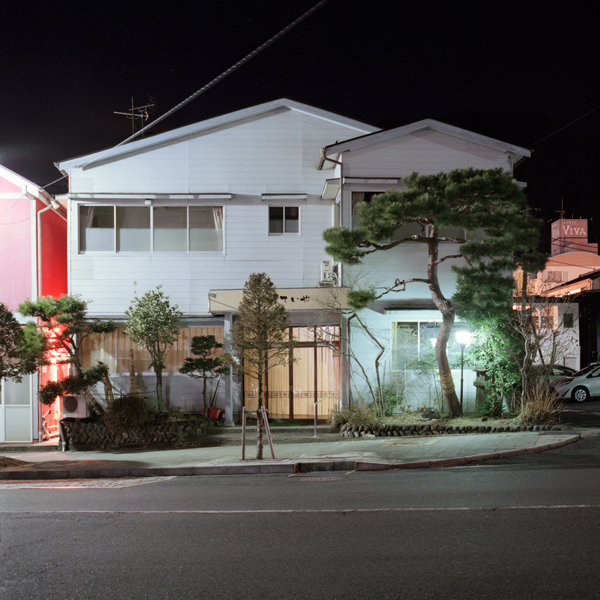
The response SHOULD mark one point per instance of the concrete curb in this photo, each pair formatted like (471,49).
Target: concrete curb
(463,460)
(26,474)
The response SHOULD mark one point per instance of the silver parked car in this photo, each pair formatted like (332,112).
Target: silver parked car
(580,386)
(546,374)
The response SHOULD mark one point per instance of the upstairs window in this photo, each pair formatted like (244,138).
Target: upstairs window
(96,228)
(284,220)
(133,229)
(151,229)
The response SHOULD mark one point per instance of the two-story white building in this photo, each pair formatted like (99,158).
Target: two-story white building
(200,208)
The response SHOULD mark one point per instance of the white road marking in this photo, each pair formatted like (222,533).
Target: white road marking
(314,511)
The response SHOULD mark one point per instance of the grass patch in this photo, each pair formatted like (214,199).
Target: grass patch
(7,461)
(414,418)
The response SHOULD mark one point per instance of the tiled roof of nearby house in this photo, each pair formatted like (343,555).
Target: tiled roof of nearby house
(390,134)
(202,126)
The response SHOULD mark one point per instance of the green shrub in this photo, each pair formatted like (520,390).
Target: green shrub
(354,415)
(127,412)
(392,401)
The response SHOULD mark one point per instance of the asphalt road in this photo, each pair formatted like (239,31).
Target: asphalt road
(526,527)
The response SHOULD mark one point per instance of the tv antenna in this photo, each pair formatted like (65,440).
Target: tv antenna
(138,113)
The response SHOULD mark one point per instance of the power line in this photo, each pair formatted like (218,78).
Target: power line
(567,125)
(231,69)
(216,80)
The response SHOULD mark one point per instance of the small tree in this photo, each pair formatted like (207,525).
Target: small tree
(260,337)
(65,324)
(153,324)
(468,199)
(206,366)
(21,349)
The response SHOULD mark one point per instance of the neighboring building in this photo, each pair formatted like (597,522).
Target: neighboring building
(33,244)
(572,273)
(200,208)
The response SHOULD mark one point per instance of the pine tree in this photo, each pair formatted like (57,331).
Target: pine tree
(469,199)
(260,337)
(65,324)
(21,348)
(206,366)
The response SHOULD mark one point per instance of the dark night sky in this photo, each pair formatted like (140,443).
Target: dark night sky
(517,71)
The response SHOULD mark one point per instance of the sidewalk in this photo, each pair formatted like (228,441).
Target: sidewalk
(335,454)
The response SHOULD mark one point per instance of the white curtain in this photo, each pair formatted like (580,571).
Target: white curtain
(218,216)
(86,218)
(357,198)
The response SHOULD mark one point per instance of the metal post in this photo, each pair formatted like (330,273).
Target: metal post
(462,362)
(266,422)
(244,433)
(315,431)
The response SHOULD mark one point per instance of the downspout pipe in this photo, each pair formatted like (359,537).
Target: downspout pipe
(324,157)
(52,206)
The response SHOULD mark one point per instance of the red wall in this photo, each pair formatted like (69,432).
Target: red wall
(54,253)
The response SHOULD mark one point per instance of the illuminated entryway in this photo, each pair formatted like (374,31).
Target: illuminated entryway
(291,390)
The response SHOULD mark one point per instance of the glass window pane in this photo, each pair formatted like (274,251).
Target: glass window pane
(275,219)
(292,219)
(17,393)
(405,346)
(206,228)
(96,228)
(170,229)
(133,228)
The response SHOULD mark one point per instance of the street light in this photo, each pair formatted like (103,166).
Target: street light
(462,339)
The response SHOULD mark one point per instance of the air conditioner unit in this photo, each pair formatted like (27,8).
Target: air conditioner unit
(328,274)
(74,407)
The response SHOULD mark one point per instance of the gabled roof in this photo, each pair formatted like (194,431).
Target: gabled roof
(390,134)
(202,126)
(26,186)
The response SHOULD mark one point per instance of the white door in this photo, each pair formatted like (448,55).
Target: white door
(16,416)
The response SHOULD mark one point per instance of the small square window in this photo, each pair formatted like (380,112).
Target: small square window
(284,220)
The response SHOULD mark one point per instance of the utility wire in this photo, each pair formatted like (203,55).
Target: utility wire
(231,69)
(216,80)
(567,125)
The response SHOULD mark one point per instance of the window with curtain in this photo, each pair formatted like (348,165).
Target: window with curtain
(96,228)
(206,228)
(145,228)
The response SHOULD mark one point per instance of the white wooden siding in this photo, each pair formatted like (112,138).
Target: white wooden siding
(275,152)
(108,278)
(425,151)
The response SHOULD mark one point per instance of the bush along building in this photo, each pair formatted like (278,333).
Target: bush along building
(198,209)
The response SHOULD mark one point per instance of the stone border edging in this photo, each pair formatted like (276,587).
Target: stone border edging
(357,431)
